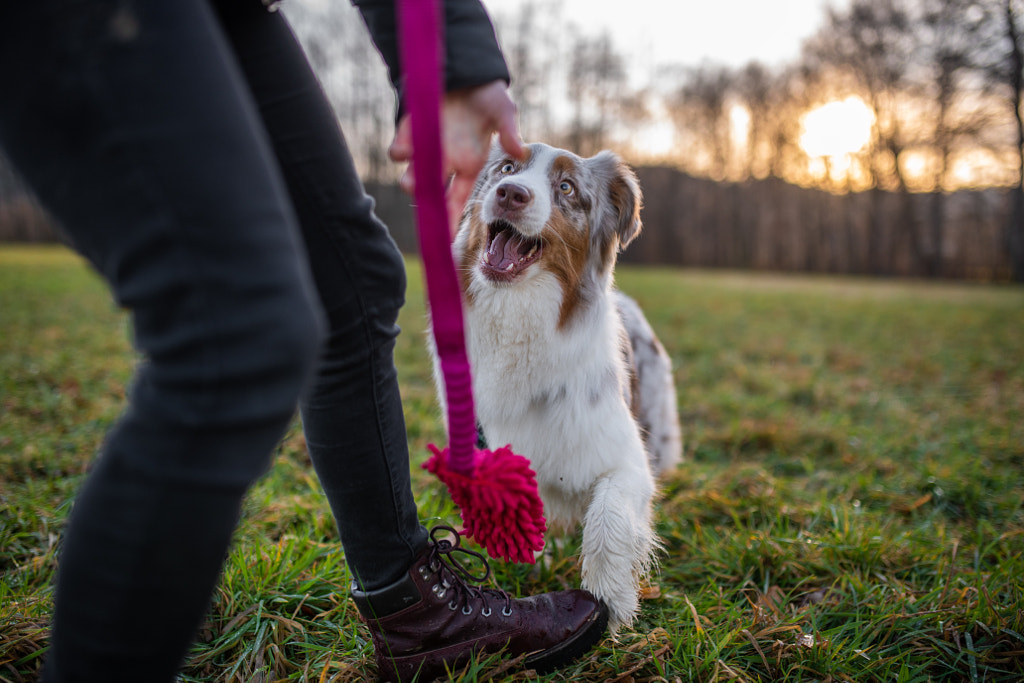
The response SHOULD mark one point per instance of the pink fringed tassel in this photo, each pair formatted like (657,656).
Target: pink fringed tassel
(499,503)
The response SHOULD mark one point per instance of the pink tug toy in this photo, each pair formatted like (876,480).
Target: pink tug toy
(496,491)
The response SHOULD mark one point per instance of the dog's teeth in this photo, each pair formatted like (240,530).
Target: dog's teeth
(510,266)
(533,250)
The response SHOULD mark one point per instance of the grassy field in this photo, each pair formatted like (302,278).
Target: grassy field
(850,507)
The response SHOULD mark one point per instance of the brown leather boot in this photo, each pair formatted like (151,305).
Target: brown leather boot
(433,619)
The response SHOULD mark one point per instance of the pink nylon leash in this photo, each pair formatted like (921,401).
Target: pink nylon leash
(496,491)
(422,41)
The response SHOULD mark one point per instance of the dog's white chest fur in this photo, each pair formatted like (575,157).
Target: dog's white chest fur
(555,394)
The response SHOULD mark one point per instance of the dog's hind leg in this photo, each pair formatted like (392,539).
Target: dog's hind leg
(653,390)
(619,541)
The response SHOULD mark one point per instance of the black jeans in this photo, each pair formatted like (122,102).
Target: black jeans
(191,156)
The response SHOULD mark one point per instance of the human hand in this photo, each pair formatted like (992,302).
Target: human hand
(469,118)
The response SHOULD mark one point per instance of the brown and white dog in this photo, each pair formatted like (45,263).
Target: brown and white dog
(565,367)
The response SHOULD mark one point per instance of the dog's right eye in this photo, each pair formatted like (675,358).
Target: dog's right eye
(507,168)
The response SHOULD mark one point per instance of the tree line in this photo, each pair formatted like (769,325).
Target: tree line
(940,174)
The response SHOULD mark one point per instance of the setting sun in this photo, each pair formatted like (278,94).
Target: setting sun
(837,128)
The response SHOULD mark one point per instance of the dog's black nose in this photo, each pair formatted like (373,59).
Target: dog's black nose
(512,196)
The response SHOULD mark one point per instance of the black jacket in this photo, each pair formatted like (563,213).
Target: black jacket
(472,55)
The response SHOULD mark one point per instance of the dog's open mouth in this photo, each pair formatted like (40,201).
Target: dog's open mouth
(509,252)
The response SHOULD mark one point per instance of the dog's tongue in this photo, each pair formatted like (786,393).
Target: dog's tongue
(504,249)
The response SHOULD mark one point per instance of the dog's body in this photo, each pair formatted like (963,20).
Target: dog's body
(565,368)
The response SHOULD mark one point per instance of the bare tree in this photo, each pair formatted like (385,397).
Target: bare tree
(531,52)
(950,38)
(871,43)
(1014,70)
(700,110)
(596,82)
(757,89)
(353,77)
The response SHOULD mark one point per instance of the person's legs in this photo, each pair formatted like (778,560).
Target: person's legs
(133,125)
(352,418)
(423,616)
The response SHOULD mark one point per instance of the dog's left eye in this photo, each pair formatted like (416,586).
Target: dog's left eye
(507,168)
(567,188)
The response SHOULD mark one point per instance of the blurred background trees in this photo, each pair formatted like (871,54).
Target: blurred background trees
(894,144)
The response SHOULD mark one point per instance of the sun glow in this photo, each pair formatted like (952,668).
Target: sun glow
(653,140)
(836,129)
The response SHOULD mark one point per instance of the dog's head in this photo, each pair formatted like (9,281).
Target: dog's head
(553,213)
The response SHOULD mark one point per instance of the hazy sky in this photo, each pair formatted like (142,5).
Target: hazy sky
(732,32)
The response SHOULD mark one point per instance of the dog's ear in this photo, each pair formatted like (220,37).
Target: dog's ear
(495,152)
(493,157)
(623,195)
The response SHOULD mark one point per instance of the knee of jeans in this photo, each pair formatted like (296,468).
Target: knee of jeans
(245,362)
(211,411)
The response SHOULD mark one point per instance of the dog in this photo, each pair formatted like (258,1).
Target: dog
(566,368)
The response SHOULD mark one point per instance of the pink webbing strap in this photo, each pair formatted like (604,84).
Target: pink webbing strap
(421,43)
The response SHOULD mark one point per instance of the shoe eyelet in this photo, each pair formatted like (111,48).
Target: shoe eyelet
(506,611)
(425,572)
(453,605)
(467,610)
(486,611)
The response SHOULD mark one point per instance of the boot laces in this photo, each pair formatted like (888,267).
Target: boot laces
(456,577)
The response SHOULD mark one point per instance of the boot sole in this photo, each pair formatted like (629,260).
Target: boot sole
(572,648)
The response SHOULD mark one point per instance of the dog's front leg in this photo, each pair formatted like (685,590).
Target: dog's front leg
(619,541)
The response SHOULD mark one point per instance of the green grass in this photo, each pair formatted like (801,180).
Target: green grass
(850,507)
